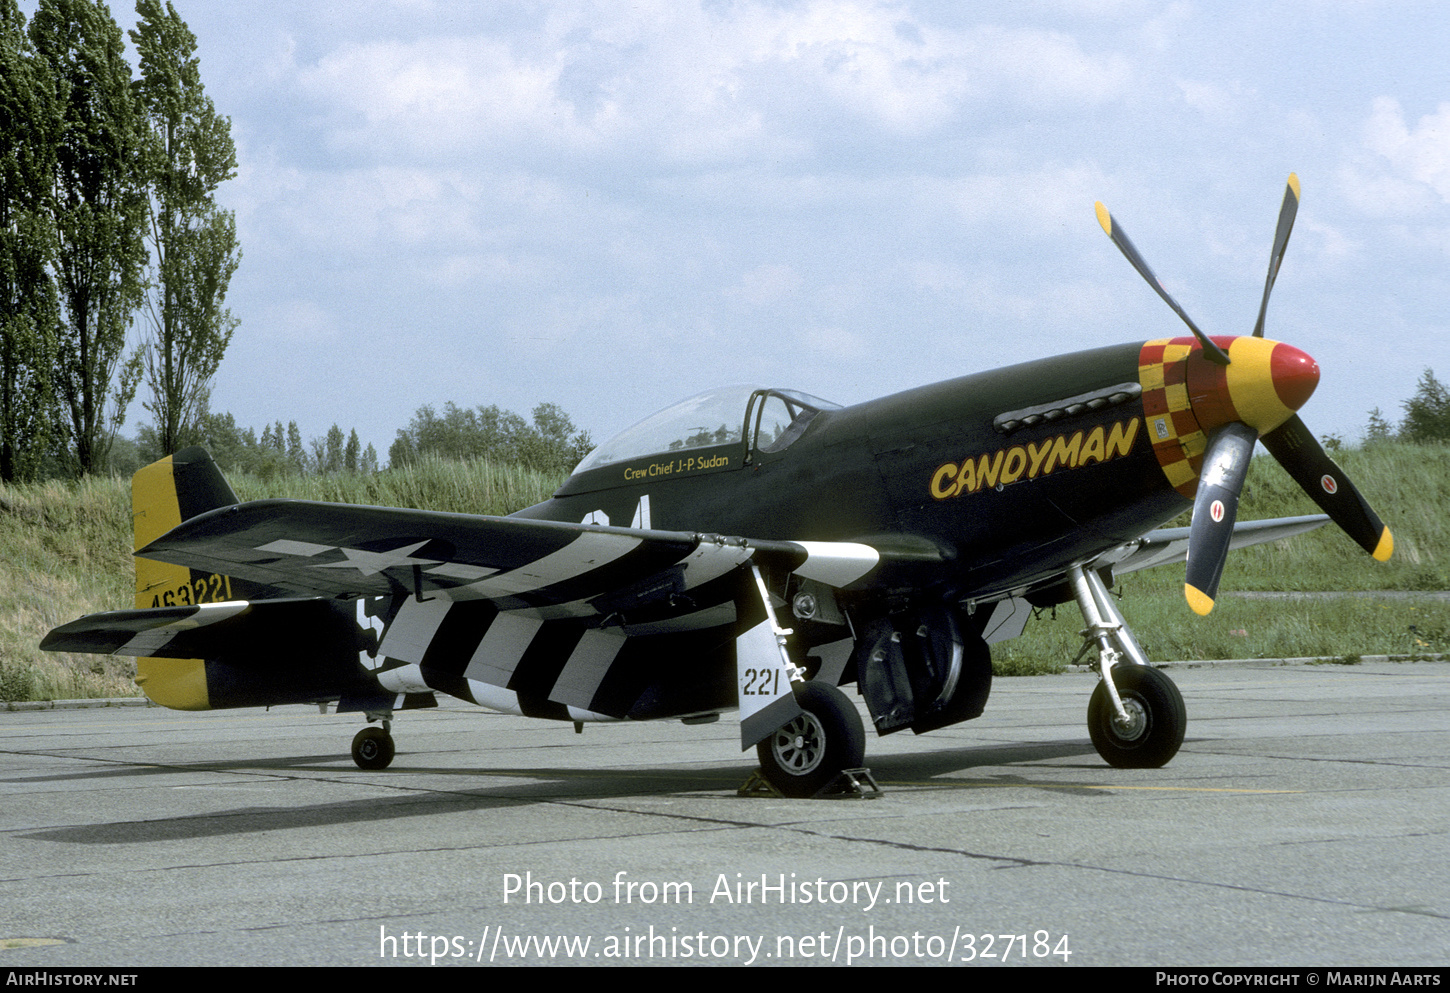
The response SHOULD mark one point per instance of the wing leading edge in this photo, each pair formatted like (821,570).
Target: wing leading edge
(549,568)
(1167,545)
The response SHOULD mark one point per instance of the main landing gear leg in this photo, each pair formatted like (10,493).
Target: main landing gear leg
(372,748)
(824,737)
(1136,716)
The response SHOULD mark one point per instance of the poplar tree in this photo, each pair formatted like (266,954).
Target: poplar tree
(97,208)
(188,153)
(330,452)
(296,454)
(352,454)
(28,305)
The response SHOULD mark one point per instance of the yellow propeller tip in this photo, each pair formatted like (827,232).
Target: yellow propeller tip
(1201,602)
(1385,548)
(1294,184)
(1104,218)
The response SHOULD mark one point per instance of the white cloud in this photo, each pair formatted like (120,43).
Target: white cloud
(435,97)
(1422,154)
(684,82)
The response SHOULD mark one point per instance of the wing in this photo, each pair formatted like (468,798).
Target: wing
(1171,544)
(1010,614)
(545,618)
(551,569)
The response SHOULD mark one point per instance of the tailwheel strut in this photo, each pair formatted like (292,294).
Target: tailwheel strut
(372,747)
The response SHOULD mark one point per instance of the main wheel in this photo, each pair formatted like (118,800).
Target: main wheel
(1156,719)
(372,748)
(806,754)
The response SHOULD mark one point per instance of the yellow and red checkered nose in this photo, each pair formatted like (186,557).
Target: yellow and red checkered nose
(1186,396)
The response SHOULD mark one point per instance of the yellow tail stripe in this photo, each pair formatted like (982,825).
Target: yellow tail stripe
(155,510)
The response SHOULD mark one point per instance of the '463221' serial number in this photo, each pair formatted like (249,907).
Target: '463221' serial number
(203,589)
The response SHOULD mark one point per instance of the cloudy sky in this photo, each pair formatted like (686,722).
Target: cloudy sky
(613,205)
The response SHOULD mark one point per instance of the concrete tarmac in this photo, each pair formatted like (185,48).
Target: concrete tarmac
(1304,822)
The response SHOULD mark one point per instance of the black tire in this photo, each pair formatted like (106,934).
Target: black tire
(806,754)
(372,748)
(1159,719)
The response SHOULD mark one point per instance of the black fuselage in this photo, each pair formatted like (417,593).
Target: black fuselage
(1011,475)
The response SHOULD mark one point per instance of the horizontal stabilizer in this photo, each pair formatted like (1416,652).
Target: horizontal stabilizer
(236,628)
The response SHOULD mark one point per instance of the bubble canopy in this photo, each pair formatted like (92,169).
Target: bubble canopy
(706,420)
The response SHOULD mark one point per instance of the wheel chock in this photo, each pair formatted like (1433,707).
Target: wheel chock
(758,785)
(850,784)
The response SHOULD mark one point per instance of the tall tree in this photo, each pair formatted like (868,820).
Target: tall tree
(188,153)
(296,454)
(28,306)
(330,453)
(98,211)
(352,454)
(1427,413)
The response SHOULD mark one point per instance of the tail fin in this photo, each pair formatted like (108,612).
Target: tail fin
(165,493)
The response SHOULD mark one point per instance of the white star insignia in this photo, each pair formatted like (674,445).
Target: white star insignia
(371,563)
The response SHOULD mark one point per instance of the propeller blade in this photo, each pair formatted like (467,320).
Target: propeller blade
(1120,238)
(1287,213)
(1327,485)
(1225,464)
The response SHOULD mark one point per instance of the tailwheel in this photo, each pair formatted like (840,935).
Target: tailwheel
(802,757)
(372,748)
(1156,718)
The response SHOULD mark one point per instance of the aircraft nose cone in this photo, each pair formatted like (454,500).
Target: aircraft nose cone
(1295,375)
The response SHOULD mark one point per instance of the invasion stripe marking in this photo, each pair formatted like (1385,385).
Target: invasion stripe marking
(495,697)
(502,647)
(836,563)
(539,669)
(587,552)
(412,631)
(586,667)
(150,641)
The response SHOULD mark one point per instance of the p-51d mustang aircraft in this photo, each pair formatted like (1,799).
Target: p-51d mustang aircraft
(752,548)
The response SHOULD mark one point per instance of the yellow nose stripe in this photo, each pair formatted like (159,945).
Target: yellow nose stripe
(1250,381)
